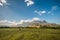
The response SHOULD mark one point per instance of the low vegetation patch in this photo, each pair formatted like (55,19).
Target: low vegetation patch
(29,34)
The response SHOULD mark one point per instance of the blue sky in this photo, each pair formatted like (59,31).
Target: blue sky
(17,10)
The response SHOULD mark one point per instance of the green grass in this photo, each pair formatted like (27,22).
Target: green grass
(29,34)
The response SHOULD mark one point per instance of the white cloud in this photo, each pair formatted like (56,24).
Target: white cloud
(3,2)
(14,23)
(7,23)
(36,19)
(21,22)
(40,12)
(33,19)
(29,2)
(27,20)
(53,9)
(43,12)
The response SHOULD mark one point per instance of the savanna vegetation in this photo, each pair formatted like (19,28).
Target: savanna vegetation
(29,33)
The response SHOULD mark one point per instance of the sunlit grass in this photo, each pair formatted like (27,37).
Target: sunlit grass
(29,34)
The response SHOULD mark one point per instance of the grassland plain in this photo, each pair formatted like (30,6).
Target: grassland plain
(29,34)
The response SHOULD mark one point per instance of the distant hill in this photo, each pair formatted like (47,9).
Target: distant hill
(34,23)
(38,24)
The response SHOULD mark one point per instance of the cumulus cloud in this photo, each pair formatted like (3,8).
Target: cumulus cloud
(3,2)
(33,19)
(36,19)
(29,2)
(40,12)
(21,22)
(14,23)
(7,23)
